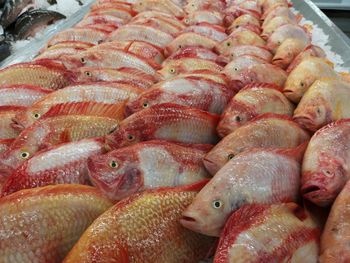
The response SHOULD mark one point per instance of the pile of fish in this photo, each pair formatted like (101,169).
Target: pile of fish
(176,131)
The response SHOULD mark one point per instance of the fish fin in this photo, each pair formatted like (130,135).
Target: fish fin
(12,108)
(296,153)
(114,111)
(264,86)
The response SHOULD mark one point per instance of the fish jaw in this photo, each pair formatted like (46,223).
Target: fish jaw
(306,121)
(211,164)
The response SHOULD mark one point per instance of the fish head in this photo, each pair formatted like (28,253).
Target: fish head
(145,100)
(223,48)
(209,210)
(287,51)
(323,183)
(71,62)
(236,115)
(174,46)
(126,134)
(170,70)
(29,116)
(117,173)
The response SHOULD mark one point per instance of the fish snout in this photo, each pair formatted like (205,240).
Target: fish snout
(222,60)
(196,221)
(306,121)
(211,166)
(280,62)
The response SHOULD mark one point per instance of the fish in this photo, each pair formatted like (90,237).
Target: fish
(141,33)
(309,51)
(207,16)
(269,233)
(257,176)
(95,19)
(99,92)
(274,24)
(42,220)
(11,10)
(335,236)
(72,43)
(280,10)
(325,170)
(239,37)
(268,5)
(7,113)
(166,121)
(197,5)
(4,145)
(285,32)
(251,101)
(34,20)
(161,23)
(234,11)
(214,32)
(45,74)
(147,165)
(61,164)
(158,239)
(89,35)
(194,52)
(172,68)
(63,123)
(107,9)
(288,51)
(58,54)
(304,75)
(246,50)
(200,93)
(245,21)
(268,130)
(166,6)
(189,39)
(168,18)
(129,76)
(21,95)
(106,59)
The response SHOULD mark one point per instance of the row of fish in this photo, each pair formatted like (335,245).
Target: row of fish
(158,127)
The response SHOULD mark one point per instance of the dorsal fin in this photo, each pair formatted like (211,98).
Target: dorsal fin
(296,153)
(114,111)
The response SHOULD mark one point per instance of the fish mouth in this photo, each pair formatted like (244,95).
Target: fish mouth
(211,166)
(306,122)
(190,221)
(17,125)
(280,62)
(317,194)
(264,36)
(291,95)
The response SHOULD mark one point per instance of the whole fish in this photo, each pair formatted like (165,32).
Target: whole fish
(304,75)
(268,130)
(172,68)
(251,101)
(246,50)
(335,236)
(122,234)
(309,51)
(61,164)
(57,127)
(89,35)
(240,36)
(285,32)
(245,21)
(36,224)
(166,122)
(200,93)
(324,102)
(325,170)
(269,233)
(142,33)
(146,165)
(11,10)
(280,10)
(214,32)
(101,92)
(288,51)
(189,39)
(46,74)
(21,95)
(160,23)
(7,113)
(129,76)
(207,16)
(274,24)
(263,176)
(166,6)
(194,52)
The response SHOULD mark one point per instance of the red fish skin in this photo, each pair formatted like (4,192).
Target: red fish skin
(150,123)
(71,172)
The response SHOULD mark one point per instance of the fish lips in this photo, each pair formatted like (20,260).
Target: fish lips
(317,194)
(306,122)
(211,166)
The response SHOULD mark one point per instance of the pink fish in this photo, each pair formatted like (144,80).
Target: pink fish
(61,164)
(234,11)
(258,176)
(268,130)
(194,52)
(269,233)
(253,100)
(93,19)
(274,24)
(325,167)
(166,122)
(161,23)
(214,32)
(246,50)
(166,6)
(21,95)
(7,113)
(5,144)
(200,93)
(147,165)
(279,10)
(200,16)
(196,5)
(245,21)
(309,51)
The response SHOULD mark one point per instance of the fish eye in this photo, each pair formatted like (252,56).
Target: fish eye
(172,71)
(238,118)
(25,155)
(302,84)
(187,21)
(228,44)
(36,115)
(82,60)
(180,46)
(130,137)
(193,5)
(318,110)
(237,26)
(230,156)
(113,164)
(327,173)
(235,69)
(88,73)
(217,204)
(145,105)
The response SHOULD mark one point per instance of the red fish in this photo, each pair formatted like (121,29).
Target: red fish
(7,113)
(21,95)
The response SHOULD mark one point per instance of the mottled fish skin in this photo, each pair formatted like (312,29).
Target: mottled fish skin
(21,95)
(61,164)
(158,239)
(204,16)
(246,50)
(166,122)
(269,233)
(251,101)
(200,93)
(335,236)
(214,32)
(325,167)
(36,224)
(147,165)
(268,130)
(196,5)
(166,6)
(275,23)
(7,113)
(264,176)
